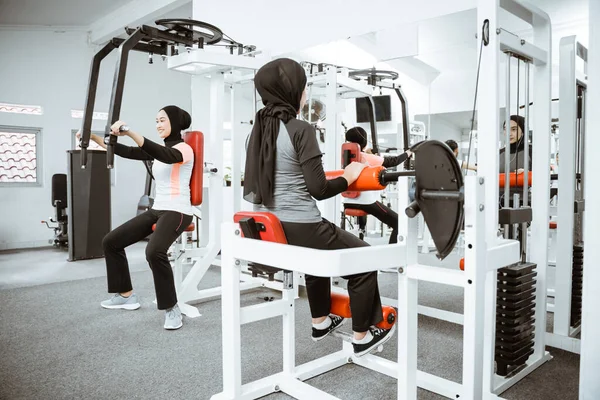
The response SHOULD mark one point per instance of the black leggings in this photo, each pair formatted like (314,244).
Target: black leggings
(382,213)
(365,303)
(169,225)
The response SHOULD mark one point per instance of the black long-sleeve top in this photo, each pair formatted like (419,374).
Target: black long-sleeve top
(149,151)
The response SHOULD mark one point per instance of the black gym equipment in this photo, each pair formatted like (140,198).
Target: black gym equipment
(59,202)
(439,194)
(89,213)
(89,188)
(151,40)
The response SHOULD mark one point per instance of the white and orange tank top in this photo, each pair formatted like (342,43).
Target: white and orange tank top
(173,182)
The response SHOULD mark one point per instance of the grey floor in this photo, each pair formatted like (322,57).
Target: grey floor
(57,343)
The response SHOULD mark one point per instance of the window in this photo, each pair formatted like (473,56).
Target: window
(20,151)
(21,109)
(78,114)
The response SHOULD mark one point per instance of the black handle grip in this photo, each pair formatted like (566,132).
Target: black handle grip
(412,210)
(110,141)
(84,157)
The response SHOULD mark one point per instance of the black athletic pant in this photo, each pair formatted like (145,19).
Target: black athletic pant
(365,302)
(169,225)
(382,213)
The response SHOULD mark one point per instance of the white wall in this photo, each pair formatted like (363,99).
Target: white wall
(440,129)
(51,69)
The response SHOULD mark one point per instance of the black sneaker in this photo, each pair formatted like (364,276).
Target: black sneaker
(380,336)
(336,322)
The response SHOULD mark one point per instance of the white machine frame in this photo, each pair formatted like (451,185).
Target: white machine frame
(563,336)
(221,68)
(589,384)
(539,54)
(343,262)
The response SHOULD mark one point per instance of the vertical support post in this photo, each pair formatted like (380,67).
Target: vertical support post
(407,324)
(214,157)
(90,99)
(289,323)
(507,141)
(332,147)
(489,122)
(237,144)
(230,306)
(116,98)
(542,84)
(589,384)
(566,185)
(474,300)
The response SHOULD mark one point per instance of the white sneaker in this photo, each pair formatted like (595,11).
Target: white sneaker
(173,318)
(123,303)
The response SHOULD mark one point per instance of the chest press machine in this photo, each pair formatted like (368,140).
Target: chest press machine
(440,193)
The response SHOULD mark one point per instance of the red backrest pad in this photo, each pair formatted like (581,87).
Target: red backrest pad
(195,139)
(273,230)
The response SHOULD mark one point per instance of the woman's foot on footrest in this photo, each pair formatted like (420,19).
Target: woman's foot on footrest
(378,337)
(336,322)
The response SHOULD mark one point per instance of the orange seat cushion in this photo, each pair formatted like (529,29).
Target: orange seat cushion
(191,227)
(351,212)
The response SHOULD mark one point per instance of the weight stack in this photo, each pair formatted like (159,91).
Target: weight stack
(515,316)
(576,285)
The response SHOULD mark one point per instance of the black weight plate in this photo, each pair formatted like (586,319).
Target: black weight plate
(436,169)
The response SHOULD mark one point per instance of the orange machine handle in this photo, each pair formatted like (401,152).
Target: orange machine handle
(516,180)
(367,180)
(340,305)
(462,264)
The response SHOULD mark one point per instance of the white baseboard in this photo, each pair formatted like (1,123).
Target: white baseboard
(25,245)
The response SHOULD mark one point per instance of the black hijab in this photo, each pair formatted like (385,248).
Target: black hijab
(357,135)
(280,84)
(519,145)
(180,120)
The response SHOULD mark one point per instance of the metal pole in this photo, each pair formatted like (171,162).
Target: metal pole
(526,161)
(507,145)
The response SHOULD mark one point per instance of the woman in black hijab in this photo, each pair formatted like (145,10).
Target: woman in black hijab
(516,156)
(284,175)
(517,146)
(171,213)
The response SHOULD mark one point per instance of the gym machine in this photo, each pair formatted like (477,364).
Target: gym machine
(515,303)
(442,190)
(88,183)
(568,277)
(216,72)
(59,202)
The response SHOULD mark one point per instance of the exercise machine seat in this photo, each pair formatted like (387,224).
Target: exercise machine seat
(353,212)
(195,139)
(266,226)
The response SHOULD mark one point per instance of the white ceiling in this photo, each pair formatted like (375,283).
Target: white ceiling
(55,12)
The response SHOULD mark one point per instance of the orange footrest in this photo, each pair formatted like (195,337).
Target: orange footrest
(340,305)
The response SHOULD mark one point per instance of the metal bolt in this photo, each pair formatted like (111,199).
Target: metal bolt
(237,262)
(401,238)
(498,31)
(481,180)
(400,270)
(481,207)
(237,232)
(277,388)
(350,360)
(522,42)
